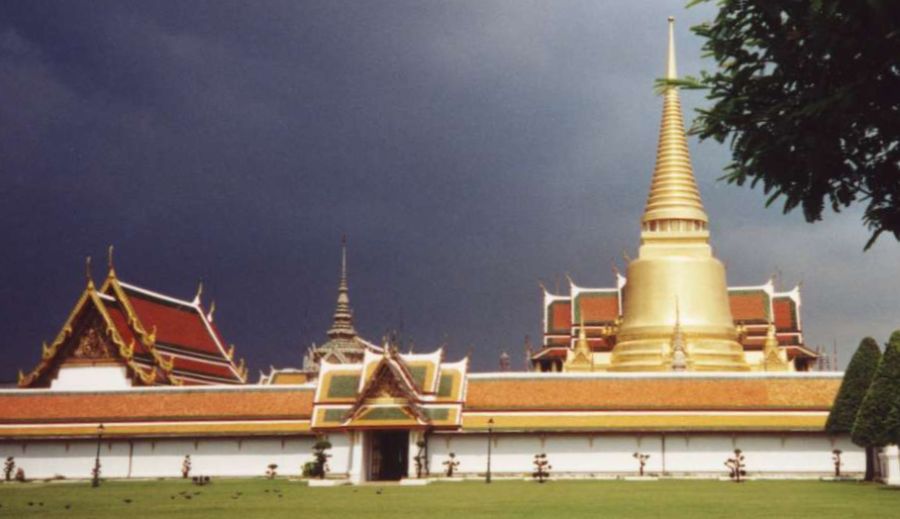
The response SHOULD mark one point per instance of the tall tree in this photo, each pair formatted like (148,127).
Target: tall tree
(806,92)
(856,382)
(873,427)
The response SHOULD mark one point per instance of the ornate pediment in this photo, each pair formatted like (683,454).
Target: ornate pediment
(92,344)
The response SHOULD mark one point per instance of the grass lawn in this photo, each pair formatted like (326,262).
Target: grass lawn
(248,498)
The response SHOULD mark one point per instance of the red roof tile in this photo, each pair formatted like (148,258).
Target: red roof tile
(175,325)
(749,306)
(560,317)
(785,314)
(599,308)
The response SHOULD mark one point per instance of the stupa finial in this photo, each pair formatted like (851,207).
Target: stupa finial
(674,202)
(671,71)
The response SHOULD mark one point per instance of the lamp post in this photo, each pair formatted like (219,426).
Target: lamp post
(487,478)
(95,482)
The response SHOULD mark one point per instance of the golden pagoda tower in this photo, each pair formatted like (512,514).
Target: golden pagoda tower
(675,272)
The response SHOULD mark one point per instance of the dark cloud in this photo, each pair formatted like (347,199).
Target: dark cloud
(469,149)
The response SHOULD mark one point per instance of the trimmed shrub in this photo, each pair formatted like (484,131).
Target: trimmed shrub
(857,380)
(872,427)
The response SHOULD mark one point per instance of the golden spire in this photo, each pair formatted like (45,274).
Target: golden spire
(582,346)
(673,194)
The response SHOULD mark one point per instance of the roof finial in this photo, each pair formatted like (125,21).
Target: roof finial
(212,310)
(109,261)
(199,292)
(671,72)
(87,272)
(344,257)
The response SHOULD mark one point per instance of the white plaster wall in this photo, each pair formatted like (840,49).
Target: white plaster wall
(221,457)
(698,454)
(575,454)
(164,457)
(91,378)
(685,454)
(73,459)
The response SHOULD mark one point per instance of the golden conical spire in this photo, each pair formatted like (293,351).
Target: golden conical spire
(675,264)
(674,203)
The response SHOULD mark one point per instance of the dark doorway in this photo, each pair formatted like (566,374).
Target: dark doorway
(389,455)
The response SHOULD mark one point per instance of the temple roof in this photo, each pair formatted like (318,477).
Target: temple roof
(160,339)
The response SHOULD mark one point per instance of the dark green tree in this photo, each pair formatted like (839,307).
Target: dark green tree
(873,427)
(805,92)
(857,380)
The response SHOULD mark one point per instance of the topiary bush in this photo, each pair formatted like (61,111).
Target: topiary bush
(318,467)
(874,425)
(854,386)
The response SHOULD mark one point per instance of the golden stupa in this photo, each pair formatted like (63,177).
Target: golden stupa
(676,294)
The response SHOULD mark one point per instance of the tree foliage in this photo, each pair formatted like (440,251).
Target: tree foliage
(806,92)
(853,389)
(875,426)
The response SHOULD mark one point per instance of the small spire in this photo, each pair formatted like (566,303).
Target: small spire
(342,325)
(679,355)
(582,344)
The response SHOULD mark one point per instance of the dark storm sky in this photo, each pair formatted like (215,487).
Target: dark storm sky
(469,149)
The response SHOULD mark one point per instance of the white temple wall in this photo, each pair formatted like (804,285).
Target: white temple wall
(164,457)
(683,454)
(588,455)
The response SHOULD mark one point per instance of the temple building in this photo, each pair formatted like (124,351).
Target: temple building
(674,292)
(671,364)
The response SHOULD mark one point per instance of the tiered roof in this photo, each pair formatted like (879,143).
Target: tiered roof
(161,340)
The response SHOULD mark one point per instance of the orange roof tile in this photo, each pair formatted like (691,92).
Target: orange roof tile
(27,406)
(547,392)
